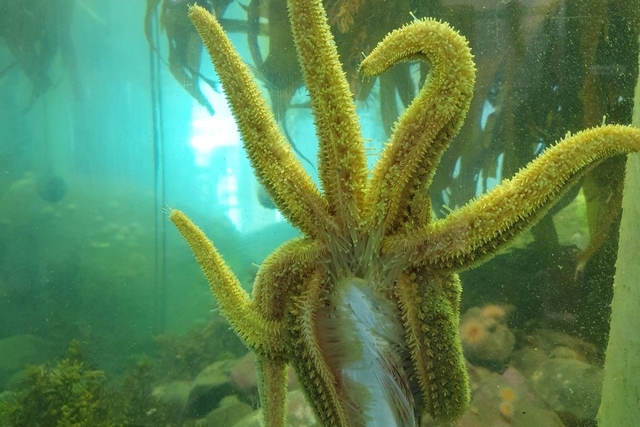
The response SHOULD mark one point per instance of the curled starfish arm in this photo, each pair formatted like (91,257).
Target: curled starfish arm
(281,274)
(435,116)
(277,168)
(429,312)
(258,333)
(477,231)
(272,389)
(342,162)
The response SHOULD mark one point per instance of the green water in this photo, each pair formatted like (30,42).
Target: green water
(110,115)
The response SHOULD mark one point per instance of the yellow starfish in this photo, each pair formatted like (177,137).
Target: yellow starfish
(365,305)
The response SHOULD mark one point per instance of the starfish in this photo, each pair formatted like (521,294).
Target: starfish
(365,304)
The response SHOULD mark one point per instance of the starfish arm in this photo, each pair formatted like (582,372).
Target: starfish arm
(430,312)
(426,128)
(478,230)
(281,275)
(258,333)
(272,389)
(314,372)
(342,162)
(277,168)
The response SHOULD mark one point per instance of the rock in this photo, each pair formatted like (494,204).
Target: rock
(230,411)
(528,359)
(486,337)
(255,419)
(502,401)
(229,383)
(243,375)
(544,344)
(174,392)
(299,413)
(211,385)
(51,187)
(570,387)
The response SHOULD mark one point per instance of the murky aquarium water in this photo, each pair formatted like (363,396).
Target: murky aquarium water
(317,229)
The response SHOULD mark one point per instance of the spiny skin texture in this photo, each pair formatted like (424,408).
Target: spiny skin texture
(377,230)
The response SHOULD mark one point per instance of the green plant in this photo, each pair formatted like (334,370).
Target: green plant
(67,395)
(73,393)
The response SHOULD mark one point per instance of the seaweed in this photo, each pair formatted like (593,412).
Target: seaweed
(139,406)
(74,393)
(69,394)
